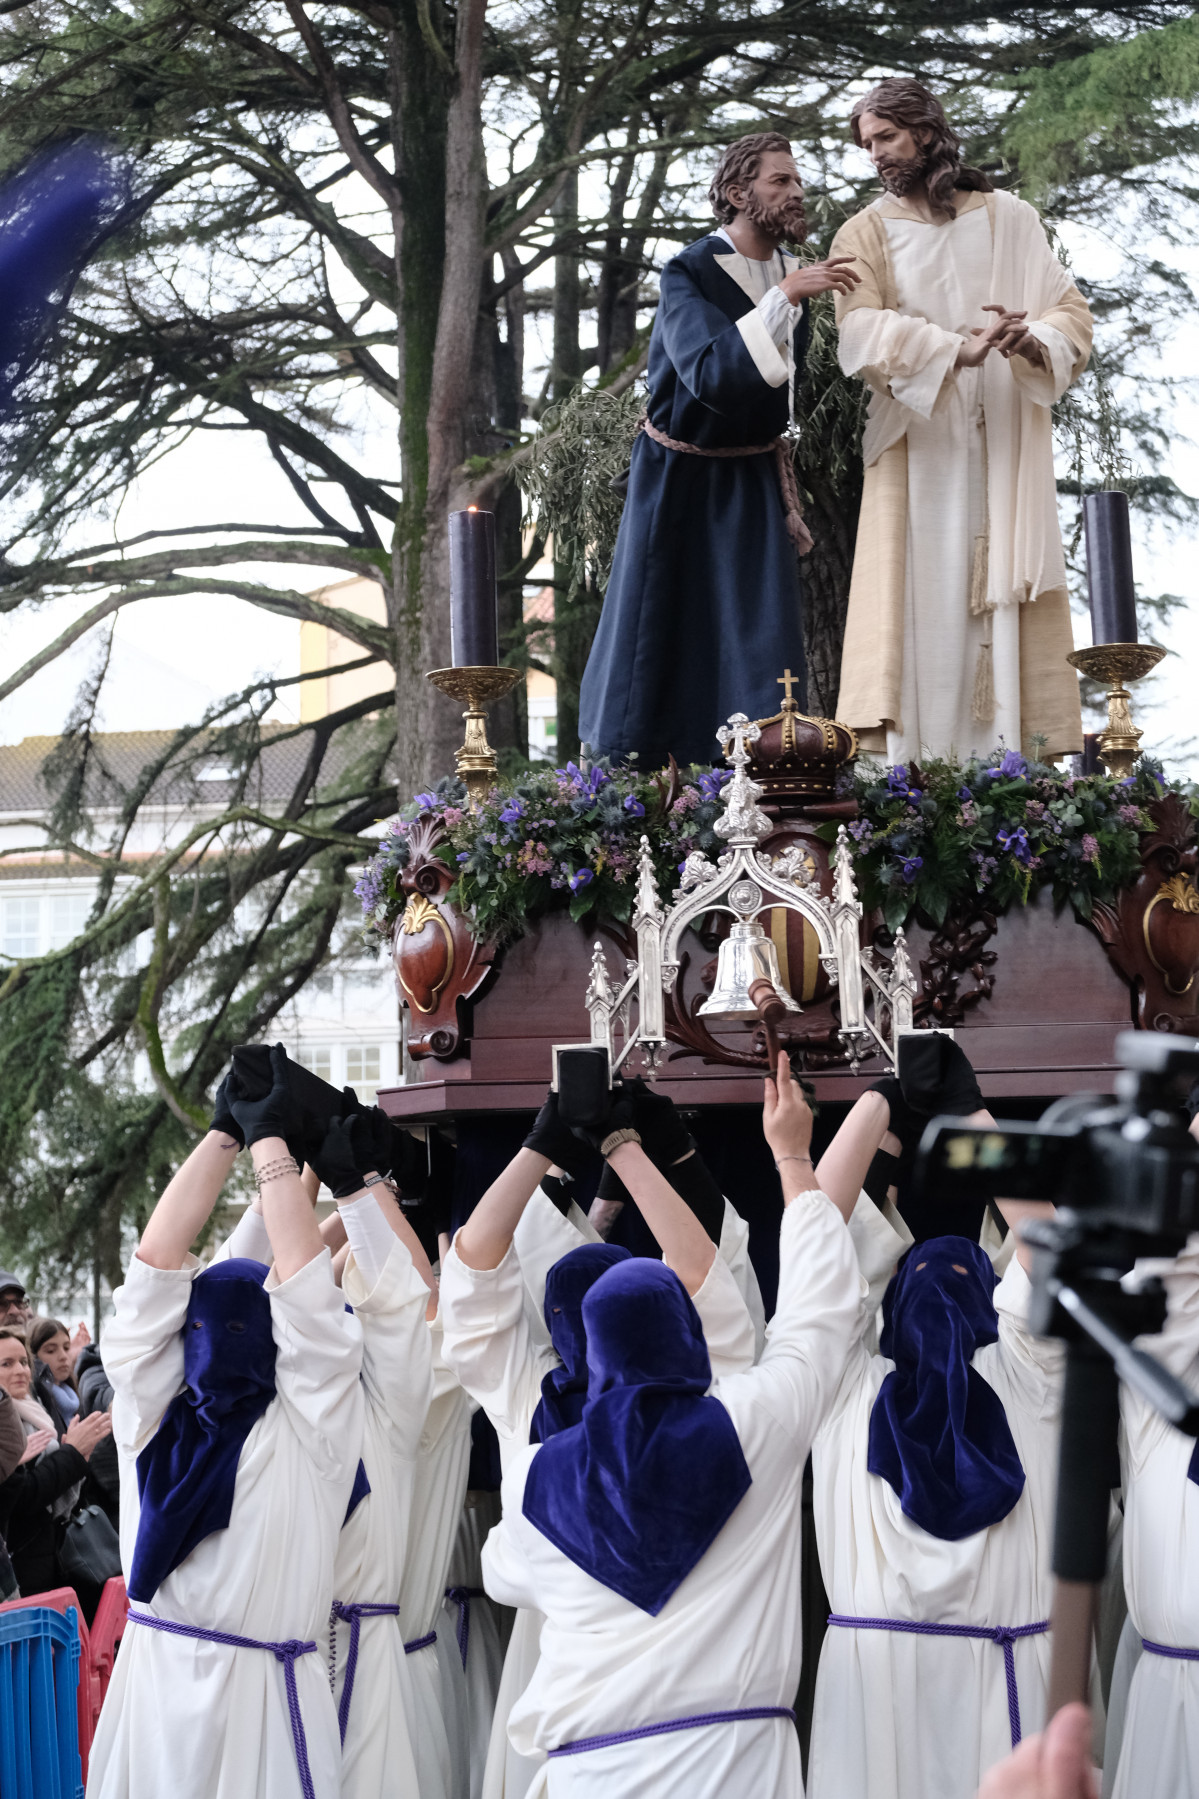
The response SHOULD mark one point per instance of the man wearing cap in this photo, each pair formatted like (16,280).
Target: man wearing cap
(15,1309)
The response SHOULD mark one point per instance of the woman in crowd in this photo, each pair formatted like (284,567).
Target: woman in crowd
(53,1370)
(42,1491)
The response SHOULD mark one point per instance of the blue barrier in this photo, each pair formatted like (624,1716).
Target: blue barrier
(39,1724)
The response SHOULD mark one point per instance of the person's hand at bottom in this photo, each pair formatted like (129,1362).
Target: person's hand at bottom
(1054,1765)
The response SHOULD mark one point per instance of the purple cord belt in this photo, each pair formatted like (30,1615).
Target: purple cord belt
(461,1597)
(1167,1649)
(351,1612)
(585,1744)
(420,1643)
(283,1652)
(1004,1635)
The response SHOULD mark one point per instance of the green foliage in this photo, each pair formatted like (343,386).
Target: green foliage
(1113,107)
(557,839)
(997,827)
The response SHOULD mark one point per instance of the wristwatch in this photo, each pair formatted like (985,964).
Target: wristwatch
(615,1138)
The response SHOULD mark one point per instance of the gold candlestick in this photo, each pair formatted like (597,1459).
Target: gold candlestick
(480,687)
(1113,664)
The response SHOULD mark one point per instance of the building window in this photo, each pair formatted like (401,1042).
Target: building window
(22,926)
(69,913)
(317,1057)
(362,1066)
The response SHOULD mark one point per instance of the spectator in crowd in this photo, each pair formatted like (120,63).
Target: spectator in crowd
(42,1491)
(95,1395)
(15,1309)
(12,1448)
(53,1381)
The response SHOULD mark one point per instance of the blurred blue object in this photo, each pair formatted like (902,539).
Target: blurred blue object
(55,213)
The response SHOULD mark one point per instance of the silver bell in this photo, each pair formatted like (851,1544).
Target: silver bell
(746,955)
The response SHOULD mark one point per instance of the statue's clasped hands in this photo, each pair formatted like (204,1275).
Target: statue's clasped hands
(831,276)
(1009,335)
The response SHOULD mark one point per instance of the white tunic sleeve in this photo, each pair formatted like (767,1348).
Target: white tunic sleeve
(1177,1348)
(397,1353)
(734,1248)
(486,1342)
(907,357)
(318,1358)
(142,1348)
(810,1335)
(507,1575)
(728,1327)
(543,1236)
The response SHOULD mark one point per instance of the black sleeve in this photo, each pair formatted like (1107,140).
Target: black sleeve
(40,1483)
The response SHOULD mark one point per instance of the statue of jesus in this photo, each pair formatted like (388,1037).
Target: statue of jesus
(966,328)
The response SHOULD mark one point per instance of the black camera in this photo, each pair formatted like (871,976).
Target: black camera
(1130,1160)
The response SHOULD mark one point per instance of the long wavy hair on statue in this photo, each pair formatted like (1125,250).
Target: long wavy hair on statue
(56,212)
(912,107)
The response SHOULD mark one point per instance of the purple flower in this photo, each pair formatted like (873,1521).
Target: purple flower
(582,877)
(1130,815)
(427,801)
(964,793)
(634,807)
(1090,849)
(861,830)
(897,778)
(514,810)
(911,865)
(1015,842)
(711,784)
(1012,765)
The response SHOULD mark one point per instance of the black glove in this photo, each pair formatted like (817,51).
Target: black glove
(620,1117)
(936,1076)
(409,1163)
(272,1115)
(222,1114)
(353,1147)
(556,1141)
(351,1103)
(664,1137)
(560,1191)
(612,1189)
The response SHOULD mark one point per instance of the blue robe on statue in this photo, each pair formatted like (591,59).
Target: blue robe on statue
(704,606)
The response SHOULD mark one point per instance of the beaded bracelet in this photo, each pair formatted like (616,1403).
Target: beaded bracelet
(273,1171)
(783,1159)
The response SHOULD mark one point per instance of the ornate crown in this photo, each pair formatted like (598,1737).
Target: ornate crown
(796,757)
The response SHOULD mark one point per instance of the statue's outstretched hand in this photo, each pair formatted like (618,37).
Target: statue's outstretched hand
(831,276)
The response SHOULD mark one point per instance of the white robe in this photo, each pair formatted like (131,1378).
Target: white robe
(729,1637)
(1159,1756)
(488,1629)
(899,1716)
(190,1719)
(442,1463)
(497,1341)
(397,1380)
(956,497)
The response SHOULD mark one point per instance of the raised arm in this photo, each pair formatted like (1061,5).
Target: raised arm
(186,1204)
(484,1240)
(290,1222)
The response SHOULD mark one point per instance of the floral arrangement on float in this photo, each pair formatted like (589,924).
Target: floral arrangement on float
(565,838)
(1001,827)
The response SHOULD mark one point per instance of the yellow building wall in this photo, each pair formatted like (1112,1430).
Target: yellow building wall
(321,647)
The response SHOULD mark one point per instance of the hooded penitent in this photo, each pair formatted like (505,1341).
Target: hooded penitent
(939,1435)
(187,1472)
(567,1285)
(637,1492)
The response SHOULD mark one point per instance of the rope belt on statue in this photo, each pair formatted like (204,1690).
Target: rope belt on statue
(420,1643)
(461,1597)
(1167,1649)
(287,1653)
(778,447)
(1004,1635)
(585,1744)
(351,1612)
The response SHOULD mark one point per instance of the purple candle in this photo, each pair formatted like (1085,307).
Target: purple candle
(474,628)
(1109,568)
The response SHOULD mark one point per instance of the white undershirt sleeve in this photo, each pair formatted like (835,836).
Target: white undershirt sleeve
(370,1236)
(248,1238)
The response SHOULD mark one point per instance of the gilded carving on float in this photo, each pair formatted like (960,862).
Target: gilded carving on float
(1183,896)
(419,914)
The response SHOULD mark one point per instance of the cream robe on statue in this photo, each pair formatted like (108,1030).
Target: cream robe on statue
(193,1720)
(397,1382)
(442,1463)
(729,1637)
(899,1716)
(497,1341)
(1159,1756)
(959,622)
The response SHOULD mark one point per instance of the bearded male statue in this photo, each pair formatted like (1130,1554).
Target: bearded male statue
(703,608)
(967,329)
